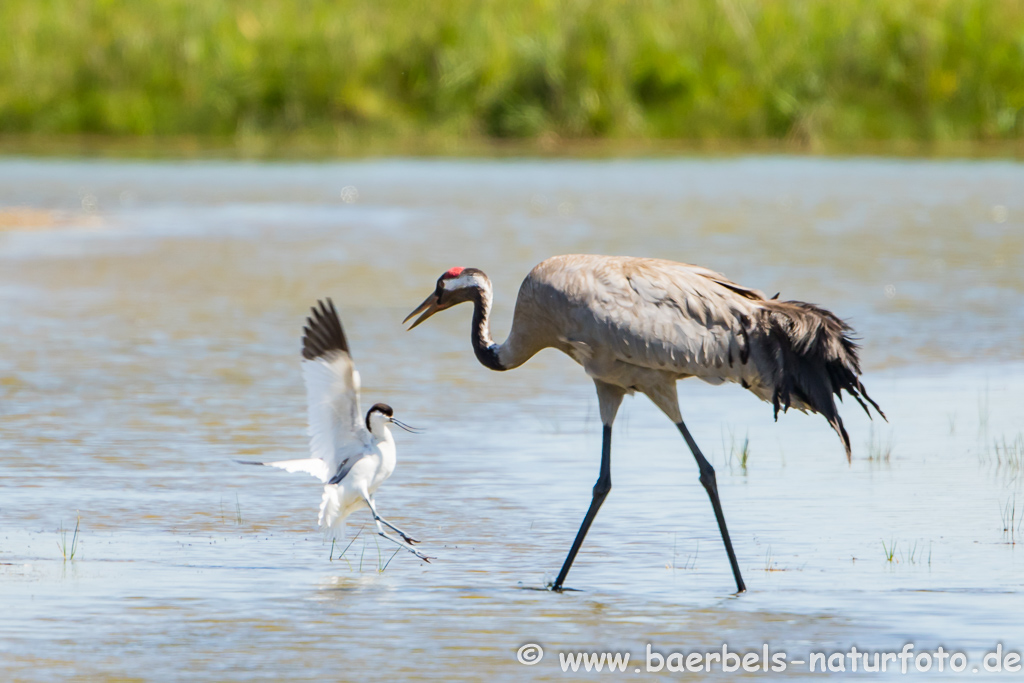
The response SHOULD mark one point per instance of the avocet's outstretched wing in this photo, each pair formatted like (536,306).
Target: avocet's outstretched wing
(336,428)
(314,466)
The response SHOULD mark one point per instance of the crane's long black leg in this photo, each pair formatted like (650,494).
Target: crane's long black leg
(601,489)
(707,479)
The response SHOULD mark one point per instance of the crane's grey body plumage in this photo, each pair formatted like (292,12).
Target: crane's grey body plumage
(642,324)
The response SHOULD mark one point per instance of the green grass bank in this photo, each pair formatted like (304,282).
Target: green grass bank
(805,71)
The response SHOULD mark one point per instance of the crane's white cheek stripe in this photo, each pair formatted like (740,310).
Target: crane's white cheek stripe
(461,282)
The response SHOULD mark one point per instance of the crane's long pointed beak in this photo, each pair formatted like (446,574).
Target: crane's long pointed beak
(427,308)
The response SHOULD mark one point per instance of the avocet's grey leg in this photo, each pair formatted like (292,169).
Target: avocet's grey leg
(405,537)
(383,534)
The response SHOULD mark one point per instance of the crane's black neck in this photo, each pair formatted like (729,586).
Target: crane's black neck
(483,346)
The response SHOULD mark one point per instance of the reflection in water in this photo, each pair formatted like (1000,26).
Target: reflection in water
(148,336)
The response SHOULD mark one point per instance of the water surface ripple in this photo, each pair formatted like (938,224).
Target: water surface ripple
(149,333)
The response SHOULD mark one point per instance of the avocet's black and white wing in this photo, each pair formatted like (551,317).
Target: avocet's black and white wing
(314,466)
(337,431)
(338,436)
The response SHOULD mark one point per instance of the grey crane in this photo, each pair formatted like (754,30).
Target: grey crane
(641,324)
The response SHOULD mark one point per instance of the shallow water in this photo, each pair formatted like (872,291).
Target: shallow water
(149,324)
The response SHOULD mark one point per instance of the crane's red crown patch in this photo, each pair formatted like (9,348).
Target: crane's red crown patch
(454,272)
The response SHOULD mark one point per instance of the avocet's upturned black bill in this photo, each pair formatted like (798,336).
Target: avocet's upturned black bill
(638,324)
(352,454)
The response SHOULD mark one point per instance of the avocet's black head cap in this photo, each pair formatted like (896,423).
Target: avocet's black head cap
(383,408)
